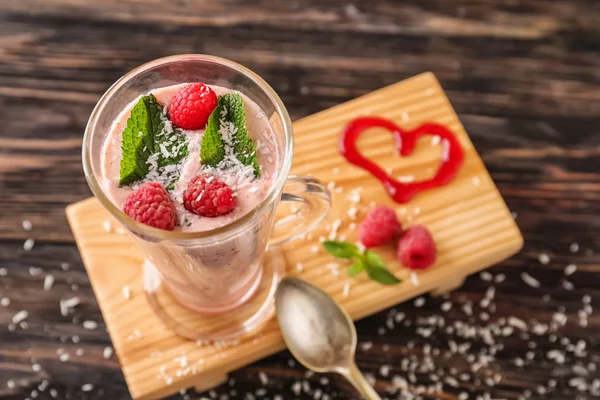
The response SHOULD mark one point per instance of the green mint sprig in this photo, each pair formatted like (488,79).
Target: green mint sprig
(145,138)
(368,261)
(229,114)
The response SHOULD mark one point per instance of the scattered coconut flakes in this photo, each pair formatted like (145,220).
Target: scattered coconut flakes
(297,388)
(567,285)
(513,214)
(574,247)
(10,384)
(335,171)
(530,280)
(36,367)
(334,268)
(517,323)
(405,116)
(64,357)
(65,266)
(107,352)
(264,379)
(352,211)
(570,269)
(35,271)
(126,292)
(384,370)
(486,276)
(314,249)
(346,289)
(48,282)
(406,179)
(68,304)
(435,140)
(107,226)
(90,325)
(28,245)
(20,316)
(414,279)
(419,302)
(3,272)
(5,302)
(476,181)
(27,225)
(544,258)
(88,387)
(365,346)
(446,306)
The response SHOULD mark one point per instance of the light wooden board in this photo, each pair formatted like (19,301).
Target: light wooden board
(470,222)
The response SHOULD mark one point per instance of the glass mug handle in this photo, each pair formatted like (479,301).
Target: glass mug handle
(314,201)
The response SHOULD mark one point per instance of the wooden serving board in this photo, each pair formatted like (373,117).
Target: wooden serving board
(470,222)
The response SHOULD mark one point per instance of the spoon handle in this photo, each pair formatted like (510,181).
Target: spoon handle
(357,379)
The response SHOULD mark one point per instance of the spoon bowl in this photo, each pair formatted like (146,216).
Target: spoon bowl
(318,332)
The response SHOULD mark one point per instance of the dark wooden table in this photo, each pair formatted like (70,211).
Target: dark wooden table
(524,77)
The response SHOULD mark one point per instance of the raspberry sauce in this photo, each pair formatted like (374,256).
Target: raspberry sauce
(405,141)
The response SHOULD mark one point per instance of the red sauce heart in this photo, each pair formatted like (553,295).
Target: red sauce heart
(405,140)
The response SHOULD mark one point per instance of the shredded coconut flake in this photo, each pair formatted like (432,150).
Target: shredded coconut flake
(48,282)
(28,245)
(27,225)
(90,325)
(530,280)
(126,292)
(20,316)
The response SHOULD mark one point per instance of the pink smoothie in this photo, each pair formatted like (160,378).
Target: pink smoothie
(207,275)
(249,191)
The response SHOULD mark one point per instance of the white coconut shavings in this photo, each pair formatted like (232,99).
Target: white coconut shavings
(27,225)
(48,282)
(107,352)
(67,305)
(346,290)
(530,280)
(570,269)
(544,258)
(90,325)
(574,247)
(28,245)
(20,316)
(126,292)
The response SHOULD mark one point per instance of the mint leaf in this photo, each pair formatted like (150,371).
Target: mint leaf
(357,268)
(227,127)
(212,150)
(373,259)
(382,276)
(137,143)
(341,249)
(244,148)
(150,145)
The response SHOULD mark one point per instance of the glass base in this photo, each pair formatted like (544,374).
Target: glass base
(233,324)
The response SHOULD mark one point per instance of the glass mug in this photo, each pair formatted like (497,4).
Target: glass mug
(216,271)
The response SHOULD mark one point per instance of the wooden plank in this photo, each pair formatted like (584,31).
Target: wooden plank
(469,220)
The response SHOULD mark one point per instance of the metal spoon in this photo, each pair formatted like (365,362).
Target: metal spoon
(318,332)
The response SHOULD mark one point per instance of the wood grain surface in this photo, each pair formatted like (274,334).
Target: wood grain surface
(524,77)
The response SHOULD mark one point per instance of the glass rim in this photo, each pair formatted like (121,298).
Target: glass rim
(161,234)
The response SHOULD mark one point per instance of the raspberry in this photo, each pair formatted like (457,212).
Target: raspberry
(379,227)
(192,105)
(151,205)
(416,249)
(209,197)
